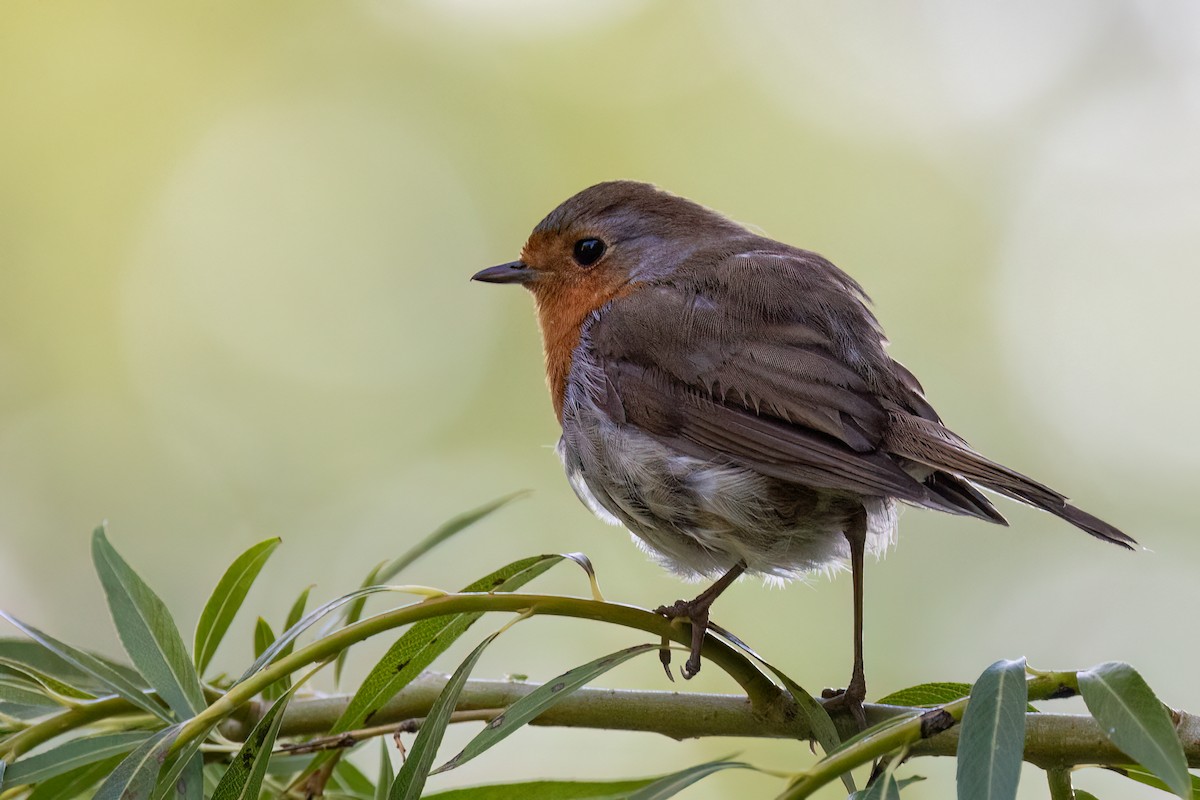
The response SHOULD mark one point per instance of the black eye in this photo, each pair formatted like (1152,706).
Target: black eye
(588,251)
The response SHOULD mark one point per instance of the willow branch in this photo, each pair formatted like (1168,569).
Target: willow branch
(766,697)
(1051,740)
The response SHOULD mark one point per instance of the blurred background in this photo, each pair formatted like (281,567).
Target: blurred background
(234,248)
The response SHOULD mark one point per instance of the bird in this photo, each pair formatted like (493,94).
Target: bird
(729,399)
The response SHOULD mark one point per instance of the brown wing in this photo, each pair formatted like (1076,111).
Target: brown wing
(760,358)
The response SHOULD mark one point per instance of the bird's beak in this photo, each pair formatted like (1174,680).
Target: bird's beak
(512,272)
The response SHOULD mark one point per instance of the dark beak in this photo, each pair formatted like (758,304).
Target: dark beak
(512,272)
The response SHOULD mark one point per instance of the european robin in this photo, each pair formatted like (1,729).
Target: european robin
(728,399)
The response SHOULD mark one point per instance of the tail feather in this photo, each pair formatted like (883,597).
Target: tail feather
(930,443)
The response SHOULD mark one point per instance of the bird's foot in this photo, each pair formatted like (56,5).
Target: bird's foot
(696,613)
(848,700)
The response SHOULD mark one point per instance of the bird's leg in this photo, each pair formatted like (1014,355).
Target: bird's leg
(696,612)
(851,698)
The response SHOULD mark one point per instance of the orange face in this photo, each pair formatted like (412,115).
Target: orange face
(567,286)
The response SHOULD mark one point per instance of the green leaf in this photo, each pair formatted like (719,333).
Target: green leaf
(227,598)
(992,741)
(886,787)
(296,612)
(819,721)
(243,779)
(135,777)
(386,775)
(1080,794)
(385,571)
(927,694)
(445,531)
(285,640)
(1136,722)
(33,656)
(106,674)
(1141,775)
(184,775)
(264,637)
(540,699)
(147,631)
(426,640)
(875,729)
(352,779)
(72,755)
(547,790)
(76,782)
(52,685)
(24,693)
(676,782)
(410,780)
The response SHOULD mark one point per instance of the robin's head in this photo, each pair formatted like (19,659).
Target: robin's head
(609,235)
(597,246)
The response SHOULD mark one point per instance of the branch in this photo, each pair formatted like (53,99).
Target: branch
(1051,740)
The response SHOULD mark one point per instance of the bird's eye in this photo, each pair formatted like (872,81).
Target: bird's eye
(588,251)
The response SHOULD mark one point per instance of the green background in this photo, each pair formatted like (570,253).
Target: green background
(234,248)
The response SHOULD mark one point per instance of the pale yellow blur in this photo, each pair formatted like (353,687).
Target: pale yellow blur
(234,247)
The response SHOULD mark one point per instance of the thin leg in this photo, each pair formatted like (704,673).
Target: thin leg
(696,612)
(856,691)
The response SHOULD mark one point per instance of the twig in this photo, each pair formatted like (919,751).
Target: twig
(351,738)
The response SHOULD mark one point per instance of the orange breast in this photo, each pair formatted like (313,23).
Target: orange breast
(563,307)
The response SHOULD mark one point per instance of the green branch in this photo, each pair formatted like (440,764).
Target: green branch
(764,696)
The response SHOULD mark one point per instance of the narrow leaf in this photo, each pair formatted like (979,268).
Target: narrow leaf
(72,755)
(1141,775)
(352,780)
(445,531)
(88,663)
(886,787)
(76,782)
(34,656)
(673,784)
(51,684)
(410,780)
(135,777)
(533,704)
(226,599)
(296,612)
(385,571)
(184,777)
(927,694)
(874,730)
(1080,794)
(386,774)
(992,741)
(264,637)
(147,631)
(819,721)
(426,640)
(289,636)
(1135,721)
(243,779)
(24,693)
(547,790)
